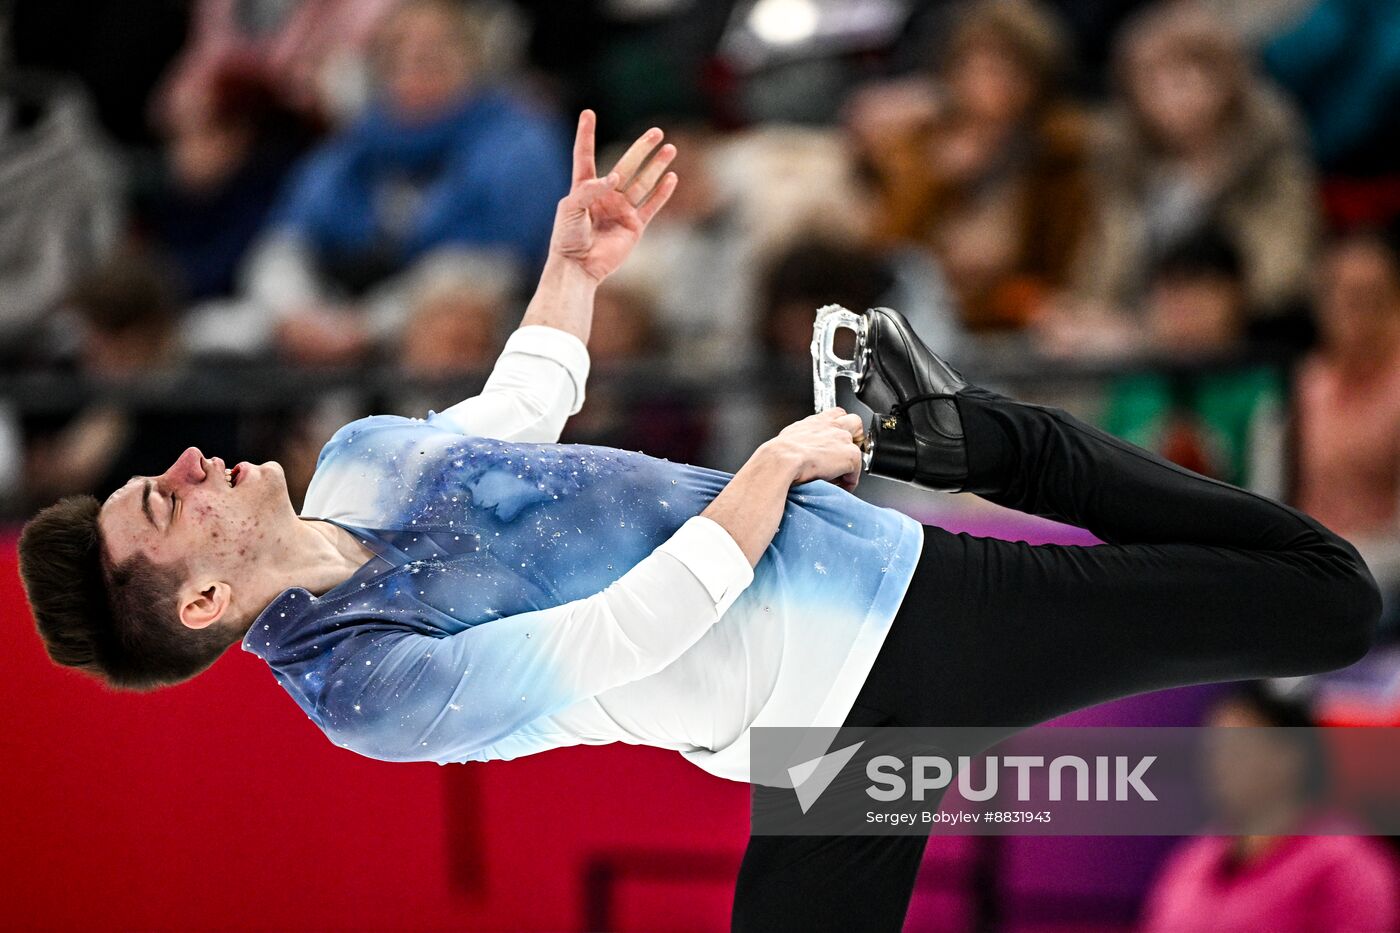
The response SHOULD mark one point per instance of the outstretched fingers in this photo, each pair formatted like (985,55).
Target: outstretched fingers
(636,154)
(646,179)
(584,166)
(659,196)
(640,176)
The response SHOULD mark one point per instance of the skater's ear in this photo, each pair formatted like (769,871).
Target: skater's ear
(204,603)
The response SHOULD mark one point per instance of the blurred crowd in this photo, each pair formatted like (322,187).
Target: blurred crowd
(1201,193)
(1195,199)
(1269,775)
(1199,198)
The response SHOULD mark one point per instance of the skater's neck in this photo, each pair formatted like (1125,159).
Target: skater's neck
(313,555)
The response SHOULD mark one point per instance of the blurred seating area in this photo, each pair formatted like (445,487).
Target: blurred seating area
(285,203)
(241,223)
(238,223)
(249,219)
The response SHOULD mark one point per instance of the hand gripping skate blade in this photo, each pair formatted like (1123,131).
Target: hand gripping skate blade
(827,367)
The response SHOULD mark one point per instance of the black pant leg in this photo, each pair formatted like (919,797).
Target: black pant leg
(811,884)
(1200,581)
(1044,461)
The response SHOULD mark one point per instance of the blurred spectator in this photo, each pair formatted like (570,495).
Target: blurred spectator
(1221,422)
(1198,141)
(58,208)
(128,313)
(439,161)
(128,338)
(743,198)
(312,50)
(1266,784)
(693,260)
(458,308)
(1340,62)
(1196,304)
(1256,21)
(633,413)
(811,273)
(225,161)
(625,327)
(457,317)
(780,184)
(1348,404)
(988,170)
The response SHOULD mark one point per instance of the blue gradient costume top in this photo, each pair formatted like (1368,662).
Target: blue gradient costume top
(527,596)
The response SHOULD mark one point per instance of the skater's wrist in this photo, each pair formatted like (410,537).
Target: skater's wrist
(563,299)
(750,506)
(561,272)
(779,457)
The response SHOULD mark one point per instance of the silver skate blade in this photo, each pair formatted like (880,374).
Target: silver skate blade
(827,367)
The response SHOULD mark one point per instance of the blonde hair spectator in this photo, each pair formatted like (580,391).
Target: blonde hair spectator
(458,306)
(1198,139)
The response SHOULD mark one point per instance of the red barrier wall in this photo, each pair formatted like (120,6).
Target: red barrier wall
(218,805)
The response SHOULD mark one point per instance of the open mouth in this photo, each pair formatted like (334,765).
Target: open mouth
(232,476)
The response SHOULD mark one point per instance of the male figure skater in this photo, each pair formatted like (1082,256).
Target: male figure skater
(462,588)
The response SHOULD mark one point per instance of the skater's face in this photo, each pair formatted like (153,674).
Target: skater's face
(216,521)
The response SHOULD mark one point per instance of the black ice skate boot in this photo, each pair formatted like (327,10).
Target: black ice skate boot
(916,435)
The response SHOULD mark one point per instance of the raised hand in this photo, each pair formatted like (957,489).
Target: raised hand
(601,219)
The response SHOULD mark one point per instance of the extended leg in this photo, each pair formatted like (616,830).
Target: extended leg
(1200,581)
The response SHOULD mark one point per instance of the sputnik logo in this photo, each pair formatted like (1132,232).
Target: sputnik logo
(810,779)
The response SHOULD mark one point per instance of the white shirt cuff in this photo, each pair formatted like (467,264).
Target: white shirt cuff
(554,344)
(714,557)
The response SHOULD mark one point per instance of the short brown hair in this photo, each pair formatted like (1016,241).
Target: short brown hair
(116,621)
(1025,29)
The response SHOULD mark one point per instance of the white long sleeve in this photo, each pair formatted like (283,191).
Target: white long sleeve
(536,384)
(405,695)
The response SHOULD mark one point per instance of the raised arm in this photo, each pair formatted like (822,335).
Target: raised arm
(538,382)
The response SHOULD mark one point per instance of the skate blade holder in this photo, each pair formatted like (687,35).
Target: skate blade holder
(827,367)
